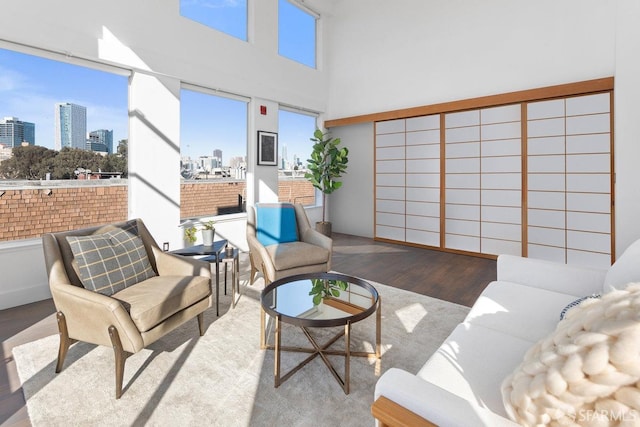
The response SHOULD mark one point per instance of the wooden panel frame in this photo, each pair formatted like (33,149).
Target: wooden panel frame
(520,97)
(390,414)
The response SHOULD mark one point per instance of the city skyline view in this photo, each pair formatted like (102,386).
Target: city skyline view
(31,86)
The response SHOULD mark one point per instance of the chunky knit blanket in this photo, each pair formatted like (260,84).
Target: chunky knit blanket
(587,372)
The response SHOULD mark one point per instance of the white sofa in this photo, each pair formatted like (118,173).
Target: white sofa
(460,383)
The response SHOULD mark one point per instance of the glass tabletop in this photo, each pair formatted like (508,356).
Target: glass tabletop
(214,249)
(351,299)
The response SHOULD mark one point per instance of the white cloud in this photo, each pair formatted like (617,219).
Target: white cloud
(10,80)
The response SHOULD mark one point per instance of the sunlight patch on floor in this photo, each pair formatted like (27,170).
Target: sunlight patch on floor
(411,315)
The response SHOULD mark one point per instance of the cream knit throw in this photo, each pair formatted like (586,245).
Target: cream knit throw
(587,372)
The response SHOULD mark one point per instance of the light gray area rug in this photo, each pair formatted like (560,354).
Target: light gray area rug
(223,378)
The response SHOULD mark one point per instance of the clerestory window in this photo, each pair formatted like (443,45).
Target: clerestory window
(297,33)
(227,16)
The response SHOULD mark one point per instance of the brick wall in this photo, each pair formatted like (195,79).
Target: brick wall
(29,212)
(204,198)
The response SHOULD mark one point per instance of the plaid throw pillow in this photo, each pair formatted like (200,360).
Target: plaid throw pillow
(111,261)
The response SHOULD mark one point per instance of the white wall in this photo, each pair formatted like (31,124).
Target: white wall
(386,55)
(392,55)
(154,127)
(351,207)
(627,124)
(23,278)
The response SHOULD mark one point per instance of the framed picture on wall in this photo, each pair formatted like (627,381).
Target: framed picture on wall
(267,148)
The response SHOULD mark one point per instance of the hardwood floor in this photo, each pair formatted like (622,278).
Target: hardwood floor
(451,277)
(455,278)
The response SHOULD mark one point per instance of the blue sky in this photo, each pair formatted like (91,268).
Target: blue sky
(30,87)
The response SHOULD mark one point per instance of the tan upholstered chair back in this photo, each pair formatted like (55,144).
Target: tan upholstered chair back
(59,257)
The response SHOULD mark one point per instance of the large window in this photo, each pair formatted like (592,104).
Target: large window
(228,16)
(296,33)
(294,149)
(213,151)
(68,124)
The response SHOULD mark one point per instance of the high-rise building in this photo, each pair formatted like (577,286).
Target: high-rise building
(101,140)
(217,155)
(70,126)
(13,132)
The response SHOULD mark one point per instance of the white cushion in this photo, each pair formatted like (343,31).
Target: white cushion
(519,310)
(552,276)
(625,270)
(472,362)
(433,403)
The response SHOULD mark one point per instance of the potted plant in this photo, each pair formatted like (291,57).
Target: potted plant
(327,163)
(208,231)
(322,288)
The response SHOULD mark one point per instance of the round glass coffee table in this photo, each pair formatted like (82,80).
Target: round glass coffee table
(288,300)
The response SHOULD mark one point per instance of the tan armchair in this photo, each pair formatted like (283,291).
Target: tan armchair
(310,254)
(131,318)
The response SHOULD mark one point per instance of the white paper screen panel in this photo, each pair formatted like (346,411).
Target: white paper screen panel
(483,169)
(423,151)
(423,208)
(390,140)
(390,179)
(569,180)
(388,153)
(430,180)
(424,123)
(568,163)
(425,223)
(408,180)
(509,247)
(423,137)
(422,237)
(391,233)
(390,126)
(392,206)
(390,166)
(422,166)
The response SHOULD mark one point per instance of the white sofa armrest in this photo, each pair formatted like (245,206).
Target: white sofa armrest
(552,276)
(434,403)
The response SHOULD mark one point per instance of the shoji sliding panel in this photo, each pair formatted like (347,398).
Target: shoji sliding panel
(390,179)
(588,154)
(462,181)
(546,180)
(501,180)
(423,180)
(524,177)
(569,180)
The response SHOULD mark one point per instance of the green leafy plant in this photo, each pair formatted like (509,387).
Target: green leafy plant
(327,163)
(190,232)
(323,288)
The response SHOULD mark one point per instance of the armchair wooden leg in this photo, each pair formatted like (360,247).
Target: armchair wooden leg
(252,276)
(201,323)
(120,357)
(65,341)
